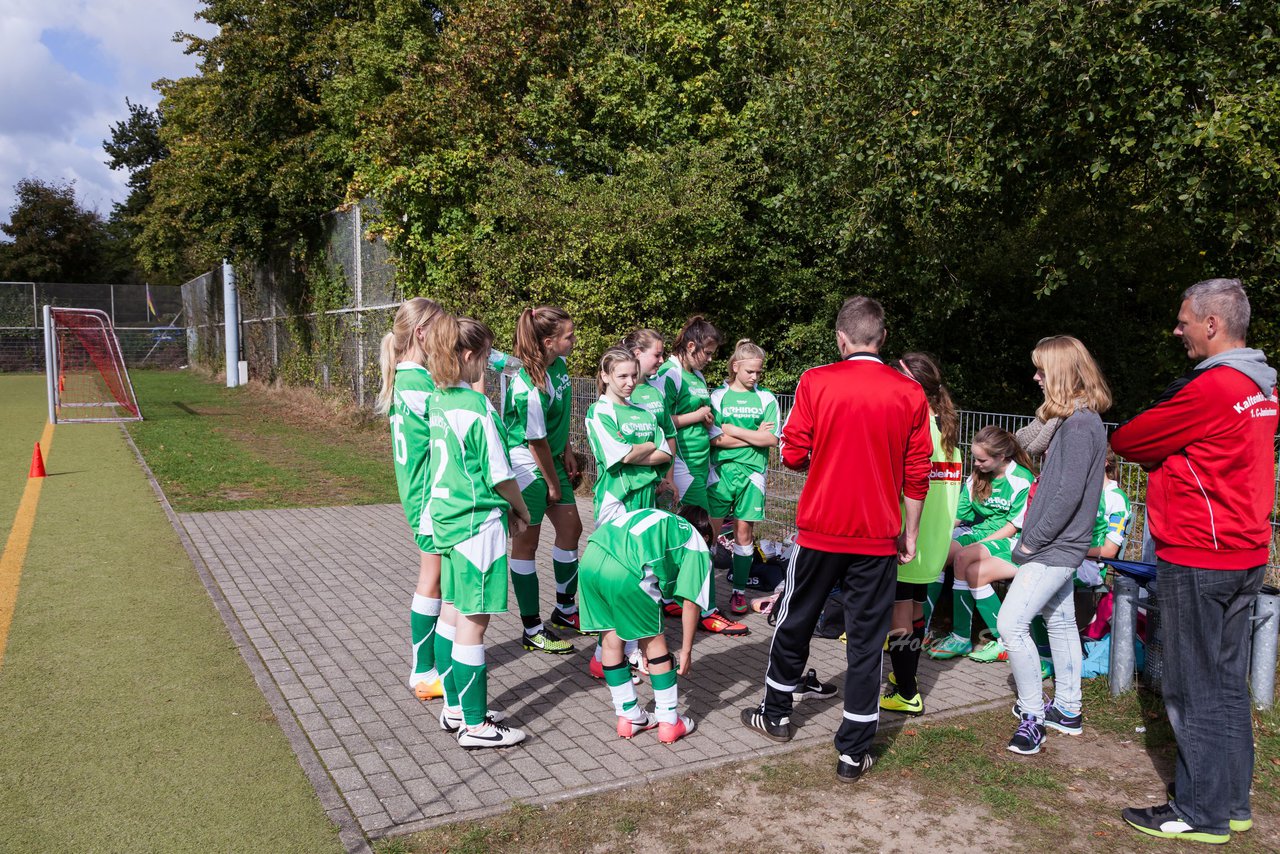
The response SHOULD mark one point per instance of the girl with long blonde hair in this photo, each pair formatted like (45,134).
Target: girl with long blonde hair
(1056,537)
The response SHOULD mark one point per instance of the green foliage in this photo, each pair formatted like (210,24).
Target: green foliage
(992,172)
(54,239)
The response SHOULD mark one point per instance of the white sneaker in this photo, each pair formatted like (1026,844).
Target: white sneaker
(451,721)
(489,734)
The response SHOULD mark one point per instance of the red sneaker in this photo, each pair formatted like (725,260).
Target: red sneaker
(719,624)
(628,728)
(672,609)
(669,733)
(738,604)
(595,668)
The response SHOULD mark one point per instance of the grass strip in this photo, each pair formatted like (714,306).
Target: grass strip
(131,722)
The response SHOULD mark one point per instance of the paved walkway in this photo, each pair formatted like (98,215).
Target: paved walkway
(323,596)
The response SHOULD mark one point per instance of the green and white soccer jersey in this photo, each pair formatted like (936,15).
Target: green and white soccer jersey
(939,513)
(632,563)
(468,515)
(559,411)
(685,392)
(524,419)
(1110,526)
(411,446)
(649,398)
(613,431)
(736,480)
(1006,503)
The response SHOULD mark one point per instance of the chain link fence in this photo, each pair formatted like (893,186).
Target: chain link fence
(148,339)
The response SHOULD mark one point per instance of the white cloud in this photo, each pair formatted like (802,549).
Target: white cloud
(55,110)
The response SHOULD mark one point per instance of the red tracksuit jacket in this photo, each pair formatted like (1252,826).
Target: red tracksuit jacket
(1208,443)
(862,431)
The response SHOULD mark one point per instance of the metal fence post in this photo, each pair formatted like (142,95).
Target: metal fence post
(1266,626)
(1124,625)
(359,294)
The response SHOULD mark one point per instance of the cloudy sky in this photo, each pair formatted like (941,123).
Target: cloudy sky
(66,67)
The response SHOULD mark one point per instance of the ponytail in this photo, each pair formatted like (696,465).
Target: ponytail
(924,369)
(698,332)
(412,314)
(533,327)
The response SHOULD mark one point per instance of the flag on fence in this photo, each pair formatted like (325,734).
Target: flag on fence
(151,306)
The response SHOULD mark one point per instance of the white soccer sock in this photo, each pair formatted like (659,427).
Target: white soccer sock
(983,592)
(665,701)
(598,655)
(425,605)
(521,566)
(625,695)
(629,647)
(959,584)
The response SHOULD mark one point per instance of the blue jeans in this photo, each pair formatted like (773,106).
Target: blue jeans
(1204,628)
(1050,592)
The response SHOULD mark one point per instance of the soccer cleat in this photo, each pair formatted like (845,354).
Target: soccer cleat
(719,624)
(812,686)
(672,609)
(1237,825)
(893,678)
(546,641)
(895,702)
(849,769)
(990,651)
(951,646)
(738,604)
(560,620)
(1163,821)
(596,668)
(1028,738)
(489,734)
(428,690)
(753,718)
(628,728)
(451,722)
(638,664)
(671,733)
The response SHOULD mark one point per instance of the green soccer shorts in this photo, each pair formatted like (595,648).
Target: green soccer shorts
(691,484)
(566,488)
(1002,549)
(535,498)
(737,491)
(610,597)
(473,575)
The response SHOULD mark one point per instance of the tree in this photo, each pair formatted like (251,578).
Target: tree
(54,239)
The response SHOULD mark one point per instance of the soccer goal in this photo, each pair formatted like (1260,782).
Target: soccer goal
(84,368)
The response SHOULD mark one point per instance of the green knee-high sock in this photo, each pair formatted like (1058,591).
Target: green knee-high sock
(962,610)
(665,695)
(565,565)
(472,678)
(931,594)
(1040,634)
(524,579)
(423,614)
(623,690)
(988,605)
(741,566)
(444,663)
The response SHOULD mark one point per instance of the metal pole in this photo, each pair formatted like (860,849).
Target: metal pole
(1124,625)
(1266,626)
(113,304)
(35,304)
(50,365)
(231,314)
(359,289)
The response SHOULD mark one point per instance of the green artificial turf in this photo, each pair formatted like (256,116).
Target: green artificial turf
(130,722)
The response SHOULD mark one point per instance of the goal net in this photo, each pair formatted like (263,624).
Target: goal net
(85,369)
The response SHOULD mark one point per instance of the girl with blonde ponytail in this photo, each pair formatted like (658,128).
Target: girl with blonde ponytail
(405,398)
(473,500)
(746,425)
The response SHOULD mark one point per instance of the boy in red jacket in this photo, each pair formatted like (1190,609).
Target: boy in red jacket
(861,429)
(1208,443)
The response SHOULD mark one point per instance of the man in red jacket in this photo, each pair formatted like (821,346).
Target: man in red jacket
(1209,445)
(861,429)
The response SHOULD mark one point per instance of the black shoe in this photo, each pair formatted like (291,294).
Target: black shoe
(1238,825)
(1163,821)
(1029,736)
(1055,718)
(849,769)
(811,686)
(753,718)
(569,622)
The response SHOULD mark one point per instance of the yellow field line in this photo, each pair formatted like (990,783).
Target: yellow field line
(15,550)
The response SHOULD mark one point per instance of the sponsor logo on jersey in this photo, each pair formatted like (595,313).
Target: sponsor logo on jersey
(946,472)
(630,428)
(742,411)
(700,392)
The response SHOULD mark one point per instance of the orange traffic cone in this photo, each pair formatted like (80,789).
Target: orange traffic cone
(37,463)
